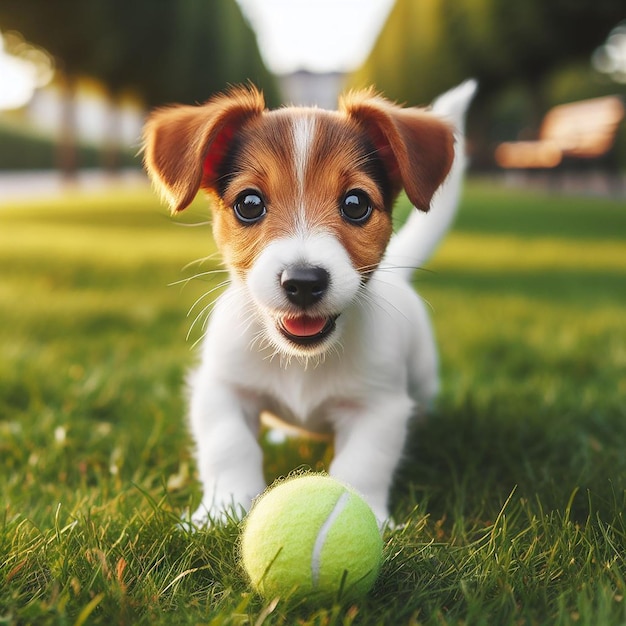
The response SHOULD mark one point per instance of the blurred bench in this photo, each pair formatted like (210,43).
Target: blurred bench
(580,130)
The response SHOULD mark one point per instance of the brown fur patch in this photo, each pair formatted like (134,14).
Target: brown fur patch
(183,145)
(417,146)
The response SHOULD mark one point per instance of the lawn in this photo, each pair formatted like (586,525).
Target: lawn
(512,494)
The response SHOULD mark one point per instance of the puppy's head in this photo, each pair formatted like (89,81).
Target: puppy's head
(302,197)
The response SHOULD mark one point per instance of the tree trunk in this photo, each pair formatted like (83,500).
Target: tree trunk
(67,147)
(111,146)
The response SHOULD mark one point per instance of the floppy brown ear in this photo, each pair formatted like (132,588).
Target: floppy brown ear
(416,147)
(184,145)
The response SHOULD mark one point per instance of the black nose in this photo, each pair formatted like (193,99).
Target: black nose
(304,286)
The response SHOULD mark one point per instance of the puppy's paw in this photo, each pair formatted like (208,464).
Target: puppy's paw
(207,517)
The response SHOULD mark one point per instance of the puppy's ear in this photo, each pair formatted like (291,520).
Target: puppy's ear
(416,147)
(184,145)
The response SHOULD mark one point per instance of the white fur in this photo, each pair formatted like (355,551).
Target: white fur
(317,249)
(363,384)
(303,132)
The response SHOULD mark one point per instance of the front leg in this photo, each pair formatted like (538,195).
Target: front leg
(368,446)
(225,425)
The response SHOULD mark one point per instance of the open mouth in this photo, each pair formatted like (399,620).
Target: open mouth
(306,330)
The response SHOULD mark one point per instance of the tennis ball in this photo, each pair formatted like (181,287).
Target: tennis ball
(311,538)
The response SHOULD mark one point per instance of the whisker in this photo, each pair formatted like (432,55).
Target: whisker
(367,268)
(197,341)
(205,313)
(381,304)
(206,309)
(414,268)
(192,224)
(392,284)
(387,267)
(188,279)
(209,257)
(206,294)
(197,319)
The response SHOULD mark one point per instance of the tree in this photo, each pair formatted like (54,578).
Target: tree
(52,25)
(410,61)
(165,50)
(427,45)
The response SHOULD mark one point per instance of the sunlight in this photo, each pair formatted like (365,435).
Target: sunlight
(23,68)
(315,35)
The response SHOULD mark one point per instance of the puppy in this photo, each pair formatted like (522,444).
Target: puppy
(320,324)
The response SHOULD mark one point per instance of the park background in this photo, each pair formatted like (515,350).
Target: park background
(512,493)
(76,78)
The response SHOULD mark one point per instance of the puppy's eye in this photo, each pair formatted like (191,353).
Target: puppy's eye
(356,207)
(249,207)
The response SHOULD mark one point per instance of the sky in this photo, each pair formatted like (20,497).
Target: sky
(316,35)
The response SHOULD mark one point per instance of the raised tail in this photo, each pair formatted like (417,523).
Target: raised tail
(418,238)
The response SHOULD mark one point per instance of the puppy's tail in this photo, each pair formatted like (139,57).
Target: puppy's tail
(418,238)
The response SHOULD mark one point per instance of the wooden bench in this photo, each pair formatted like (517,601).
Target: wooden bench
(580,130)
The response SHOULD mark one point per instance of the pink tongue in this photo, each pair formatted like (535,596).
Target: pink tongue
(304,326)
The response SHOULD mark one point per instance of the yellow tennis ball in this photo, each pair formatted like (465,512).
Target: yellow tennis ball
(311,538)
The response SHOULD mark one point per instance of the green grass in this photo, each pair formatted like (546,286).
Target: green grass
(513,492)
